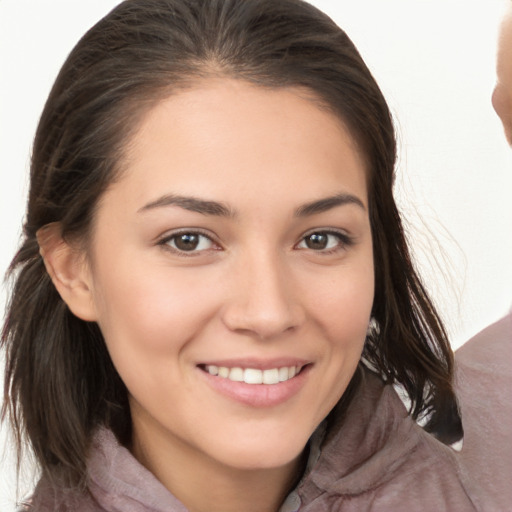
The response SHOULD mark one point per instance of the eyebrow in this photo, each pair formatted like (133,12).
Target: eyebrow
(207,207)
(192,204)
(327,203)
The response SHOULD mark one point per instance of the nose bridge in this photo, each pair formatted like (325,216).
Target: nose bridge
(263,301)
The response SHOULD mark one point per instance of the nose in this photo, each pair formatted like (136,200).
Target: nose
(263,302)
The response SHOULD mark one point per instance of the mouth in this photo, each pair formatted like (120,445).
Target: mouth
(257,383)
(255,376)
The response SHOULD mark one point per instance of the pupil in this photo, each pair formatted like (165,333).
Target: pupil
(316,241)
(187,242)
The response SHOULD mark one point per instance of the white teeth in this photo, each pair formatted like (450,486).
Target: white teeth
(271,376)
(253,375)
(236,374)
(283,374)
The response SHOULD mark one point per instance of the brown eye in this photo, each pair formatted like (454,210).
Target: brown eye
(186,242)
(325,241)
(189,242)
(317,241)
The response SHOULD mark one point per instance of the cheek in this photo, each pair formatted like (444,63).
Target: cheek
(342,312)
(346,302)
(152,308)
(147,320)
(349,319)
(502,103)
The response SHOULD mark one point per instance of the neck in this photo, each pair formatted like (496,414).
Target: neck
(203,484)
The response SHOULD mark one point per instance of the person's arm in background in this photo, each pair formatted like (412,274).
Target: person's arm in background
(484,363)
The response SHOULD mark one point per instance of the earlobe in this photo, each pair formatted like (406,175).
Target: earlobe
(68,271)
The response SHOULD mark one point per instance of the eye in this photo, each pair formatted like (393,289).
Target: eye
(188,241)
(324,241)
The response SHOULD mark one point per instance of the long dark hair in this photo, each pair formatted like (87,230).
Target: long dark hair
(60,383)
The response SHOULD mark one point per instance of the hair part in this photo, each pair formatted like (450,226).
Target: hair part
(60,383)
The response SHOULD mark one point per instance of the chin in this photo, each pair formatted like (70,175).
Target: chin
(272,451)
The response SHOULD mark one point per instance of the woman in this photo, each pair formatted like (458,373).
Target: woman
(213,262)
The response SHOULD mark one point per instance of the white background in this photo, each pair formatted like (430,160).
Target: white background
(434,60)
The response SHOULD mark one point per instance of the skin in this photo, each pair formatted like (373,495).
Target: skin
(252,290)
(502,95)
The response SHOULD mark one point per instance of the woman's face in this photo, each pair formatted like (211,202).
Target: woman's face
(231,272)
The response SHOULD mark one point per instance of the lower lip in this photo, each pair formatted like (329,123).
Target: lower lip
(258,395)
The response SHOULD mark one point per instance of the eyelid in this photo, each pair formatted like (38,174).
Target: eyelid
(329,231)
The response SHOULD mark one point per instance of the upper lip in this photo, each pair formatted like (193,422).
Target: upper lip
(258,364)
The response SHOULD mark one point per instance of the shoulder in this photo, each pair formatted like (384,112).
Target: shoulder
(115,481)
(47,498)
(483,378)
(492,346)
(378,458)
(483,385)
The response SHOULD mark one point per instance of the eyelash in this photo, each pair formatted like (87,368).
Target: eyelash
(344,242)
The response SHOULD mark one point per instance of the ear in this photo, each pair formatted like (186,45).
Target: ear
(68,270)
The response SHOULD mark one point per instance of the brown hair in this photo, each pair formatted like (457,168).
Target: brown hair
(60,383)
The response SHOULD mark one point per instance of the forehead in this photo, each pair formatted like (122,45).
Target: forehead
(231,130)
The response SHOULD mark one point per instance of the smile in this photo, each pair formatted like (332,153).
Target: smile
(254,375)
